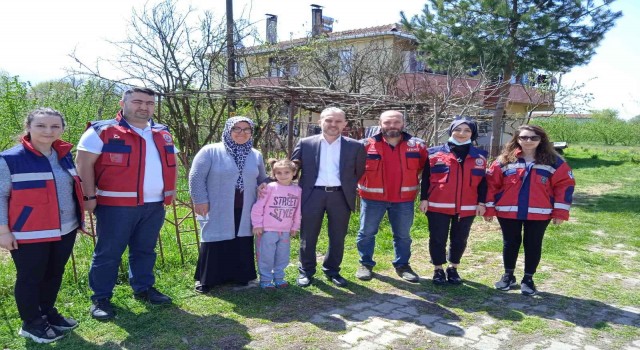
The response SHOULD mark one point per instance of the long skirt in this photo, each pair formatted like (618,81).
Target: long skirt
(230,261)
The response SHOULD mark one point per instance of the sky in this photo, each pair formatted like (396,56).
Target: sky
(38,36)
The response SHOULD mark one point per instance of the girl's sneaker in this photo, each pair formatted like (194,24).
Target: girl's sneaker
(267,285)
(282,284)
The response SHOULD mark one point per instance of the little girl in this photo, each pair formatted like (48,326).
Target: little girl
(275,217)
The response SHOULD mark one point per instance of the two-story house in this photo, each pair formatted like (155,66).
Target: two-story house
(381,60)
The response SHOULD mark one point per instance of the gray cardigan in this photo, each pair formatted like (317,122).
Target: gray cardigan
(212,180)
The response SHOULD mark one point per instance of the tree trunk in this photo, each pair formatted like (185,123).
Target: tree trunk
(503,96)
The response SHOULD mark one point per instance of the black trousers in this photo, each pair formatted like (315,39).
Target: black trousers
(443,226)
(39,270)
(338,212)
(512,238)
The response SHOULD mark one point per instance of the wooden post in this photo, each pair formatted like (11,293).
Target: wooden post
(290,127)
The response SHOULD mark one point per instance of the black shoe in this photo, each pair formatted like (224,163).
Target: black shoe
(200,288)
(527,287)
(102,310)
(452,275)
(40,331)
(439,277)
(507,282)
(364,273)
(407,274)
(338,280)
(153,296)
(304,280)
(59,322)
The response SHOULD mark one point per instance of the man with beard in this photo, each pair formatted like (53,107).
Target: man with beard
(390,184)
(128,170)
(331,166)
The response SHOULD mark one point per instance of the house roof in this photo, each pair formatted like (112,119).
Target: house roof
(394,29)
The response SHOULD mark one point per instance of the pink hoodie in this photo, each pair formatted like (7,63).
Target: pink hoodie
(279,209)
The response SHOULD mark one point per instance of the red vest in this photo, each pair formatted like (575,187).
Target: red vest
(452,188)
(34,215)
(413,156)
(119,170)
(545,192)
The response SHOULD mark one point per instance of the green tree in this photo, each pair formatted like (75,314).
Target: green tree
(634,130)
(512,37)
(14,106)
(80,101)
(608,128)
(560,128)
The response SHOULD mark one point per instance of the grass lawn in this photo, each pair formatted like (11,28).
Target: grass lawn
(590,266)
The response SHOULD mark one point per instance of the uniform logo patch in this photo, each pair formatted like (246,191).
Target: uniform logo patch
(116,136)
(479,161)
(167,138)
(411,143)
(116,157)
(544,179)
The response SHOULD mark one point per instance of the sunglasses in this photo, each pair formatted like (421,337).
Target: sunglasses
(529,138)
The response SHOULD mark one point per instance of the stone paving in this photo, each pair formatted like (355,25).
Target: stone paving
(417,320)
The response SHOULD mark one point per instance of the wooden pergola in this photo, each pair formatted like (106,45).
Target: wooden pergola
(357,106)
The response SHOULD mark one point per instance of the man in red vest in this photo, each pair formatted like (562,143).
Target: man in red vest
(389,185)
(128,171)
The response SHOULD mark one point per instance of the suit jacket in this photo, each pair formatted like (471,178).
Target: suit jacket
(352,165)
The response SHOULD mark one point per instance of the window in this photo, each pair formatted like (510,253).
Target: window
(484,127)
(345,56)
(520,79)
(274,69)
(241,69)
(414,61)
(293,69)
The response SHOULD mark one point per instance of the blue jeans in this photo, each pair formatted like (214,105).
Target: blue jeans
(400,218)
(118,227)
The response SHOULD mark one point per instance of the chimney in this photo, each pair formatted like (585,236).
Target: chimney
(272,28)
(316,20)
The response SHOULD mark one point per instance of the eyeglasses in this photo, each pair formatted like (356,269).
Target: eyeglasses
(529,138)
(237,130)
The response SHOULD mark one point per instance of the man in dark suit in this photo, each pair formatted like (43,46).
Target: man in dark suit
(331,167)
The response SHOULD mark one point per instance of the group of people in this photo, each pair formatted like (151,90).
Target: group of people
(127,170)
(126,173)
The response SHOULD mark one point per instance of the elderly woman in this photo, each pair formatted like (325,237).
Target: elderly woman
(223,181)
(40,212)
(530,185)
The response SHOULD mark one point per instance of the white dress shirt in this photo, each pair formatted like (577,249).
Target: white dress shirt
(329,171)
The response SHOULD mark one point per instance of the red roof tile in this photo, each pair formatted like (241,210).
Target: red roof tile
(382,29)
